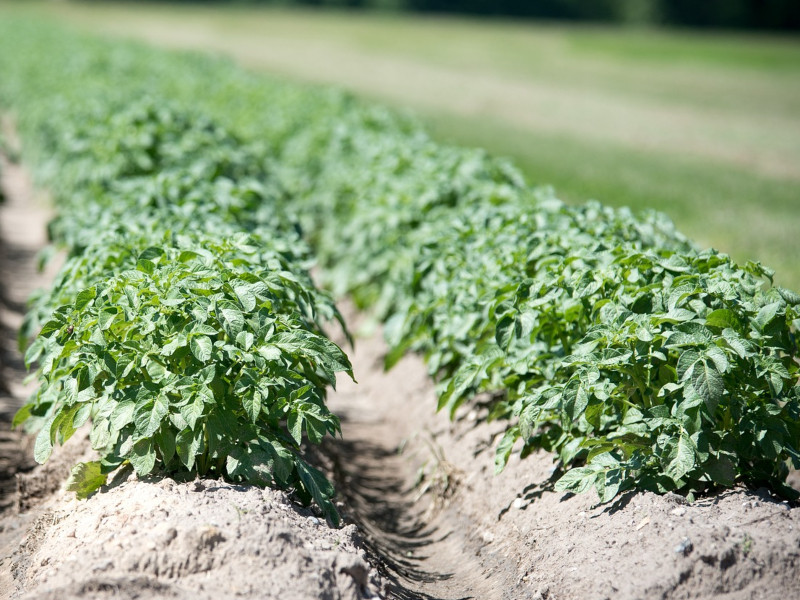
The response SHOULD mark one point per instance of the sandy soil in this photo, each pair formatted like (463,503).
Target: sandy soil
(196,540)
(23,216)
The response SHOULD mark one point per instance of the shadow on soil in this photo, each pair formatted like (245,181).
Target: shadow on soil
(12,367)
(14,457)
(382,504)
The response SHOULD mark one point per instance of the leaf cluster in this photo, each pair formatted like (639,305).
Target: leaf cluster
(605,337)
(183,324)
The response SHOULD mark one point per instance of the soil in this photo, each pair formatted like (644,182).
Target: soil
(425,515)
(22,235)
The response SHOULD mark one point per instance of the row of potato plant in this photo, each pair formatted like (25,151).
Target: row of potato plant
(183,323)
(604,337)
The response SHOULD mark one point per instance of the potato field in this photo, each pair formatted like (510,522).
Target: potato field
(554,401)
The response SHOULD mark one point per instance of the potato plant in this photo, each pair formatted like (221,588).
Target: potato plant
(605,337)
(205,356)
(183,324)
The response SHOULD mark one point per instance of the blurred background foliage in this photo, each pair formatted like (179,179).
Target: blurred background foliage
(729,14)
(702,124)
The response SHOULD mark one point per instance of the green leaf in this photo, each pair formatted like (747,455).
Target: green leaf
(612,480)
(82,415)
(708,383)
(316,426)
(686,363)
(575,399)
(201,347)
(245,340)
(736,343)
(145,266)
(252,406)
(790,296)
(143,457)
(99,436)
(86,478)
(721,470)
(189,444)
(295,424)
(193,411)
(320,489)
(577,480)
(202,328)
(282,460)
(122,414)
(151,253)
(766,314)
(461,382)
(526,322)
(175,344)
(232,321)
(148,415)
(156,370)
(43,445)
(22,415)
(34,351)
(269,352)
(67,428)
(245,295)
(394,355)
(106,317)
(50,327)
(718,357)
(504,332)
(682,458)
(504,448)
(324,352)
(84,297)
(165,442)
(724,319)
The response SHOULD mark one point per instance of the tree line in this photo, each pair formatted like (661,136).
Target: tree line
(731,14)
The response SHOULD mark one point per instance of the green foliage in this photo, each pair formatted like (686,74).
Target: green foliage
(683,383)
(85,478)
(595,334)
(183,324)
(203,358)
(604,337)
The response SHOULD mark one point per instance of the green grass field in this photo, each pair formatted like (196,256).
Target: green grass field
(704,127)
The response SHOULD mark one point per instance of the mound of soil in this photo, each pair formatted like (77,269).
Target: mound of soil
(196,540)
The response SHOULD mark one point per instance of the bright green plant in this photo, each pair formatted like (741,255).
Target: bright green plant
(678,375)
(604,337)
(204,357)
(192,346)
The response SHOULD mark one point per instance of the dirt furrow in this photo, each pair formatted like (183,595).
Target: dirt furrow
(399,485)
(23,227)
(23,234)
